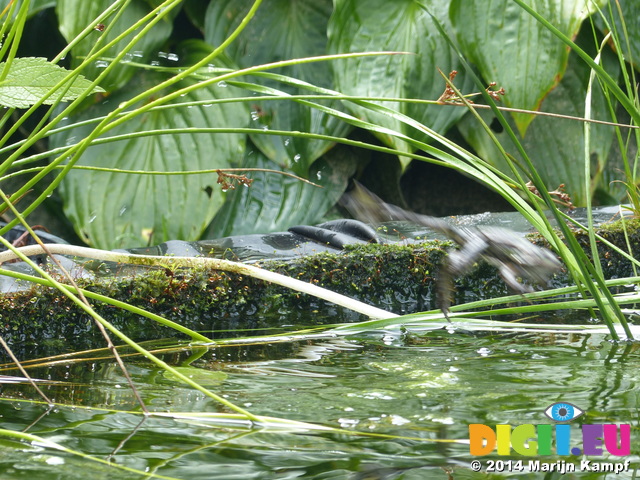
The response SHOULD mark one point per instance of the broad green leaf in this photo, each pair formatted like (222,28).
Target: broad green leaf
(556,146)
(75,15)
(402,26)
(282,30)
(195,11)
(276,202)
(35,6)
(112,210)
(627,28)
(30,79)
(514,50)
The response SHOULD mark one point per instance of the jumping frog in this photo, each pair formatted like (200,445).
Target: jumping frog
(513,256)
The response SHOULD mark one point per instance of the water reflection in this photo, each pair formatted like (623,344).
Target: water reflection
(423,389)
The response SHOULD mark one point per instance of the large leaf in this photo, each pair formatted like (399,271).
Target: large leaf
(75,15)
(556,146)
(629,33)
(401,25)
(30,79)
(112,210)
(35,6)
(281,30)
(513,49)
(276,202)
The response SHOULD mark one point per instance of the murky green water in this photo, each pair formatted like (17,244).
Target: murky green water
(404,405)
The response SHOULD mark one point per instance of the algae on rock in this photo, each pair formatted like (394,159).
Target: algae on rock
(394,277)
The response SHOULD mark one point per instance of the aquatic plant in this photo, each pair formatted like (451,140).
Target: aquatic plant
(94,136)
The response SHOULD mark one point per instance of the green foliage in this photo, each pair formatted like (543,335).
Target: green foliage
(511,48)
(27,81)
(556,146)
(282,31)
(274,201)
(134,49)
(35,6)
(623,19)
(400,26)
(75,15)
(119,210)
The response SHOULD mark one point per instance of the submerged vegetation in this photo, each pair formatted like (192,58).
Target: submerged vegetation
(176,119)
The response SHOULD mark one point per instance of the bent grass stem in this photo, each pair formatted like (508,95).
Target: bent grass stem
(191,262)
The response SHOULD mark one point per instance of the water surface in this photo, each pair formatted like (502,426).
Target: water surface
(403,403)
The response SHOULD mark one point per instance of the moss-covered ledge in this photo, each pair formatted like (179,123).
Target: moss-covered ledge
(397,278)
(613,264)
(394,277)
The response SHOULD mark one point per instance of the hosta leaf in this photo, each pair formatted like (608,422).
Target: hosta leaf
(282,30)
(629,34)
(75,15)
(513,49)
(111,210)
(405,26)
(276,202)
(556,146)
(30,79)
(34,7)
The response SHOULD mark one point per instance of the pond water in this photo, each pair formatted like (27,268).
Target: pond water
(402,403)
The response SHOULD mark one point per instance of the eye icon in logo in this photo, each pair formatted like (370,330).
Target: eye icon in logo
(563,412)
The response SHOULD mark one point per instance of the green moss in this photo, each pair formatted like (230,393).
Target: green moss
(395,277)
(615,265)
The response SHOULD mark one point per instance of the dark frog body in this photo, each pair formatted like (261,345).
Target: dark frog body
(512,255)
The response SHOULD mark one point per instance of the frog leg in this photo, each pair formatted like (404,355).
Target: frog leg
(457,263)
(444,293)
(460,261)
(508,274)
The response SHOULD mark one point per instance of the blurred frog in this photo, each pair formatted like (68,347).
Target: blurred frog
(513,256)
